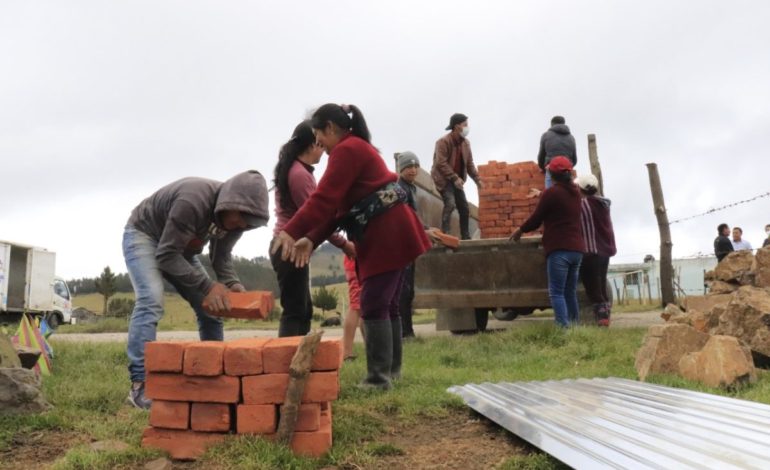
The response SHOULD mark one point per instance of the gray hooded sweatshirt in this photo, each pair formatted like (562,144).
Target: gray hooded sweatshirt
(185,215)
(556,141)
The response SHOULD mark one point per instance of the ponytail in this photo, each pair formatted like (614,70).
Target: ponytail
(301,139)
(354,123)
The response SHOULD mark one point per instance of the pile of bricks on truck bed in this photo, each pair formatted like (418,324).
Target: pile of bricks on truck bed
(507,200)
(203,391)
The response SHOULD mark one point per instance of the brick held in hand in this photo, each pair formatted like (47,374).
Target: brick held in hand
(205,358)
(164,356)
(244,356)
(170,414)
(178,387)
(211,417)
(247,305)
(181,445)
(447,240)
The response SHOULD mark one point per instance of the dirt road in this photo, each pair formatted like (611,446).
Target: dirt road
(622,320)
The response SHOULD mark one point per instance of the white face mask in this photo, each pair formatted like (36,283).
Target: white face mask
(465,131)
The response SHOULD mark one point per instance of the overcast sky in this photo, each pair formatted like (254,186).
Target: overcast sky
(102,103)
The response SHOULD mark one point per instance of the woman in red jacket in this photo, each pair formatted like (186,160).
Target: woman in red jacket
(358,194)
(294,183)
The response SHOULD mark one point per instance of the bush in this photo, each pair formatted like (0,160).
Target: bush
(120,308)
(325,299)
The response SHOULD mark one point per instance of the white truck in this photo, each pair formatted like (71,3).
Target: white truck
(28,283)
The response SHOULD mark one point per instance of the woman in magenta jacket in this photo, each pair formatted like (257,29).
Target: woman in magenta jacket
(358,194)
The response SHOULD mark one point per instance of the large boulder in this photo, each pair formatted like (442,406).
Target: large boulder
(736,267)
(703,322)
(761,267)
(704,303)
(672,312)
(723,362)
(747,317)
(664,346)
(722,287)
(20,392)
(8,355)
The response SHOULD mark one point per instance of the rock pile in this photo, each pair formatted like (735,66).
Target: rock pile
(717,339)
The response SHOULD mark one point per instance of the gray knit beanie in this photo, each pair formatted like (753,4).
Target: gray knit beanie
(407,159)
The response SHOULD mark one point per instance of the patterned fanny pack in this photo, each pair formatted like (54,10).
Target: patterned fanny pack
(355,221)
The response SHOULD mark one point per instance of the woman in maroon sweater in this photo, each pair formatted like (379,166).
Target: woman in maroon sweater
(559,212)
(294,183)
(360,195)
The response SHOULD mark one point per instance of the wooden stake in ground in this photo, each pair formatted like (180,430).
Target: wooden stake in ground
(666,264)
(298,374)
(593,157)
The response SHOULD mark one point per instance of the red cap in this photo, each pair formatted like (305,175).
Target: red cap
(559,164)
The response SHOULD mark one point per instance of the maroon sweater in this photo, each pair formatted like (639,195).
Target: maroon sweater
(355,170)
(559,211)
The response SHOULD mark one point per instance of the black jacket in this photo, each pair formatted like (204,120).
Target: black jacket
(182,218)
(722,247)
(556,141)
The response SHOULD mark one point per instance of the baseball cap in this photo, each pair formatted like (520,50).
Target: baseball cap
(558,164)
(457,118)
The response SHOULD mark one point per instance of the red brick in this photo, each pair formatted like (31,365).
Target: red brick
(271,388)
(265,389)
(210,417)
(313,444)
(170,414)
(257,419)
(308,417)
(181,445)
(249,305)
(164,356)
(328,356)
(448,241)
(177,387)
(205,358)
(244,356)
(277,354)
(321,387)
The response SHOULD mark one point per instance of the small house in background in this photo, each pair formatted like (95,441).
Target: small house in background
(635,281)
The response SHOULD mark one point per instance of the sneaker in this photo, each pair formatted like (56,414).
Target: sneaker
(136,396)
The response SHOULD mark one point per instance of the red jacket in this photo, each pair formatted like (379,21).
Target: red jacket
(559,211)
(391,241)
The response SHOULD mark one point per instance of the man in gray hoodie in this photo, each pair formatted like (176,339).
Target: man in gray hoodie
(556,141)
(162,239)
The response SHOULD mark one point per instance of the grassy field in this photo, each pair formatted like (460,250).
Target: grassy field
(179,316)
(371,429)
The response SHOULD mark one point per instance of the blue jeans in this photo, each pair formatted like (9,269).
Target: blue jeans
(563,268)
(548,181)
(147,279)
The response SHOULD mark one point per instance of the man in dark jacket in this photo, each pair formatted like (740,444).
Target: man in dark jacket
(722,244)
(162,239)
(556,141)
(408,165)
(452,165)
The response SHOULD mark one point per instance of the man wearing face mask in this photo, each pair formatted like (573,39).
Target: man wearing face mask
(161,241)
(452,165)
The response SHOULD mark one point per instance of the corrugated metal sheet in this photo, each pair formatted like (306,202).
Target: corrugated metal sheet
(619,423)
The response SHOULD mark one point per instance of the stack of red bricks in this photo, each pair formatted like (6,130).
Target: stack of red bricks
(203,391)
(507,199)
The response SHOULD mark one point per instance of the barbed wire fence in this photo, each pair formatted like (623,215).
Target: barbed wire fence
(720,208)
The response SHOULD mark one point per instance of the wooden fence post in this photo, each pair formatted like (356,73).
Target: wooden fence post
(666,263)
(593,157)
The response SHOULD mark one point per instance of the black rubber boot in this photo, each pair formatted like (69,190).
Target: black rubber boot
(395,367)
(379,353)
(290,327)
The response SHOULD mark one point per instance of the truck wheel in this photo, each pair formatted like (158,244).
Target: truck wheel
(53,320)
(482,319)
